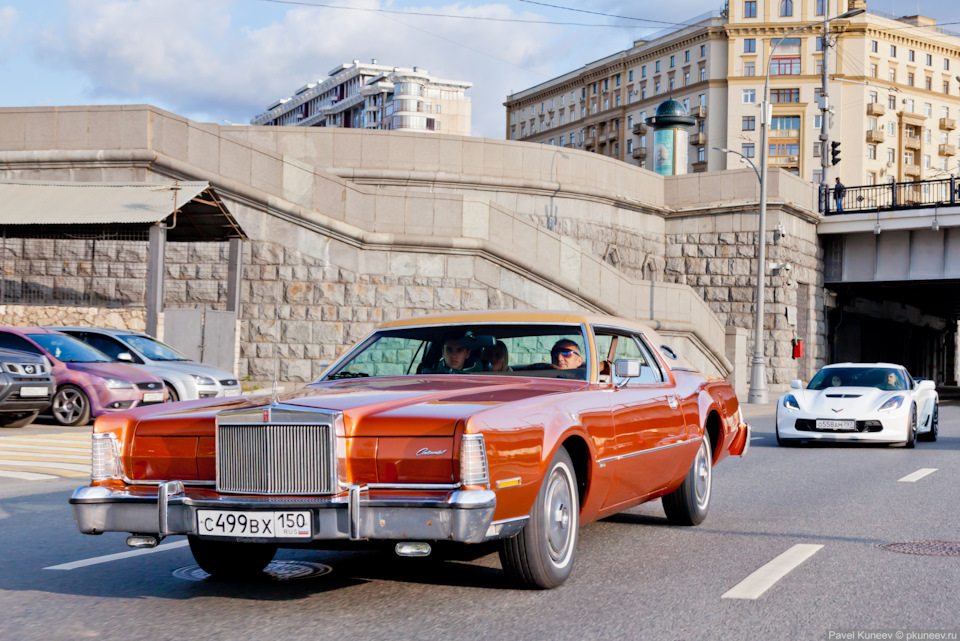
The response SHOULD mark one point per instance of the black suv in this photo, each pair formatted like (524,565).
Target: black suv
(26,387)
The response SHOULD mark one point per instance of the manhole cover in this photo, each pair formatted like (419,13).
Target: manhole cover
(925,548)
(276,571)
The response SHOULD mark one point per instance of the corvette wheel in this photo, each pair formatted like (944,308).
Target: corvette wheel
(934,425)
(541,556)
(688,504)
(912,433)
(231,561)
(70,406)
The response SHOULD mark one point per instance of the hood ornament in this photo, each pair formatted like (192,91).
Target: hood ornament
(836,411)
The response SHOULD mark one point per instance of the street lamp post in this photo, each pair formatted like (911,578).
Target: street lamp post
(758,371)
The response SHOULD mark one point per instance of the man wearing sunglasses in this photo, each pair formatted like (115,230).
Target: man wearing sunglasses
(566,355)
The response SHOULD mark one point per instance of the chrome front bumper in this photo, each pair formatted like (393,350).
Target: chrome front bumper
(460,515)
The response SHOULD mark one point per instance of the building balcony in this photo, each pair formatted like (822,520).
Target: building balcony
(784,161)
(911,170)
(876,109)
(613,134)
(912,142)
(700,111)
(590,141)
(699,167)
(640,128)
(785,133)
(948,150)
(639,152)
(699,138)
(948,124)
(875,135)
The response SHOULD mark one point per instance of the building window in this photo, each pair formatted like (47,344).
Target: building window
(911,55)
(703,50)
(643,92)
(657,66)
(891,129)
(871,124)
(656,88)
(820,7)
(784,95)
(891,102)
(630,76)
(873,46)
(686,105)
(927,135)
(910,79)
(871,178)
(893,51)
(748,149)
(929,60)
(750,9)
(819,43)
(818,120)
(673,61)
(618,100)
(749,45)
(749,96)
(944,112)
(749,123)
(630,146)
(617,80)
(946,64)
(816,149)
(686,56)
(672,84)
(893,75)
(643,71)
(946,87)
(817,176)
(927,109)
(872,152)
(701,154)
(928,83)
(785,123)
(909,105)
(561,141)
(785,66)
(873,70)
(703,74)
(749,69)
(702,99)
(784,148)
(891,156)
(786,8)
(686,78)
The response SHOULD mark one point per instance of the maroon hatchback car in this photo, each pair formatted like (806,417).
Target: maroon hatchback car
(89,383)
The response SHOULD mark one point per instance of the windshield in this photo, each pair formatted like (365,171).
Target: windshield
(154,349)
(550,351)
(68,349)
(885,378)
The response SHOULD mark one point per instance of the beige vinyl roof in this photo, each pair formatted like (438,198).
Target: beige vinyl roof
(44,203)
(29,206)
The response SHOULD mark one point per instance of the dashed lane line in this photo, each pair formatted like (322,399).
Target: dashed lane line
(919,474)
(27,476)
(117,557)
(767,576)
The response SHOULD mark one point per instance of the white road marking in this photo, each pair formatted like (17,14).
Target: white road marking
(25,440)
(755,438)
(44,452)
(27,476)
(919,474)
(765,577)
(10,447)
(118,556)
(75,467)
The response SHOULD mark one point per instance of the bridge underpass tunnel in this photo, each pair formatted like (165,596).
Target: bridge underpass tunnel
(913,323)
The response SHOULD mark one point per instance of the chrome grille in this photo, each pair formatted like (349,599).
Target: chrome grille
(269,458)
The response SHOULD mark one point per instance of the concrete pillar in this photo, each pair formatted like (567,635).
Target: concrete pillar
(736,353)
(155,269)
(234,274)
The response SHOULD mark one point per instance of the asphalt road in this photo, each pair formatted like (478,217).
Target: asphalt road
(635,576)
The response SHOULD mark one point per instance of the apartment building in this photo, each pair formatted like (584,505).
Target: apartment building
(374,96)
(893,90)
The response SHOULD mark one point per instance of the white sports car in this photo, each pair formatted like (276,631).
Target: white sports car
(874,402)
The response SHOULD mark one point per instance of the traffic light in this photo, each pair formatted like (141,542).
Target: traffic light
(834,152)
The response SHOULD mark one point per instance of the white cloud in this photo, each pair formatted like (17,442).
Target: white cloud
(188,56)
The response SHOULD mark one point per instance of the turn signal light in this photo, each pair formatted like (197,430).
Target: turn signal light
(473,460)
(105,459)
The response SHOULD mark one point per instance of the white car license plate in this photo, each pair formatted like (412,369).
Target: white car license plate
(34,391)
(152,397)
(231,392)
(259,525)
(836,425)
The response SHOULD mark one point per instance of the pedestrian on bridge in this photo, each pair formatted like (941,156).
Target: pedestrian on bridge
(838,191)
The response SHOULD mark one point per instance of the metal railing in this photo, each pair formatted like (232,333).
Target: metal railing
(891,196)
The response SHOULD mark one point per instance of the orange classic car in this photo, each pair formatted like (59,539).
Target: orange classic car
(514,426)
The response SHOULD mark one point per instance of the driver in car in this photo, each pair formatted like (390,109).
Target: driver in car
(565,354)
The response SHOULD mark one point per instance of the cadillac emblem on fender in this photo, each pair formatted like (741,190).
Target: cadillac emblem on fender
(466,427)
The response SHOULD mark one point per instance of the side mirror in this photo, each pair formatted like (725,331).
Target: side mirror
(796,384)
(125,356)
(627,368)
(926,384)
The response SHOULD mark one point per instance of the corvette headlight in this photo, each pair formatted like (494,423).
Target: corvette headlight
(892,404)
(203,380)
(116,383)
(790,402)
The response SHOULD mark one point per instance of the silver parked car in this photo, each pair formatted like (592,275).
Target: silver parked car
(26,387)
(186,379)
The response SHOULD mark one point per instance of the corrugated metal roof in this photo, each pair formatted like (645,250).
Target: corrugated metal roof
(48,203)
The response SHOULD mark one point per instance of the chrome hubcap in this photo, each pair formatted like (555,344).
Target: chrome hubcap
(68,405)
(703,467)
(558,516)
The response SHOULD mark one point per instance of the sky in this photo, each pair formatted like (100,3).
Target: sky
(226,61)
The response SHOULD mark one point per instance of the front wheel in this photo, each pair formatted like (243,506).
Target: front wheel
(934,425)
(172,396)
(688,504)
(541,556)
(17,419)
(912,429)
(70,406)
(229,560)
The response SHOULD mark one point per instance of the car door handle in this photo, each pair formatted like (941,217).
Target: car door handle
(672,402)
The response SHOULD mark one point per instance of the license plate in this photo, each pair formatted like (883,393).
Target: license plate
(231,392)
(836,425)
(258,525)
(34,391)
(152,397)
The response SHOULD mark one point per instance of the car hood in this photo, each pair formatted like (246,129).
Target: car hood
(842,402)
(402,406)
(122,371)
(189,368)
